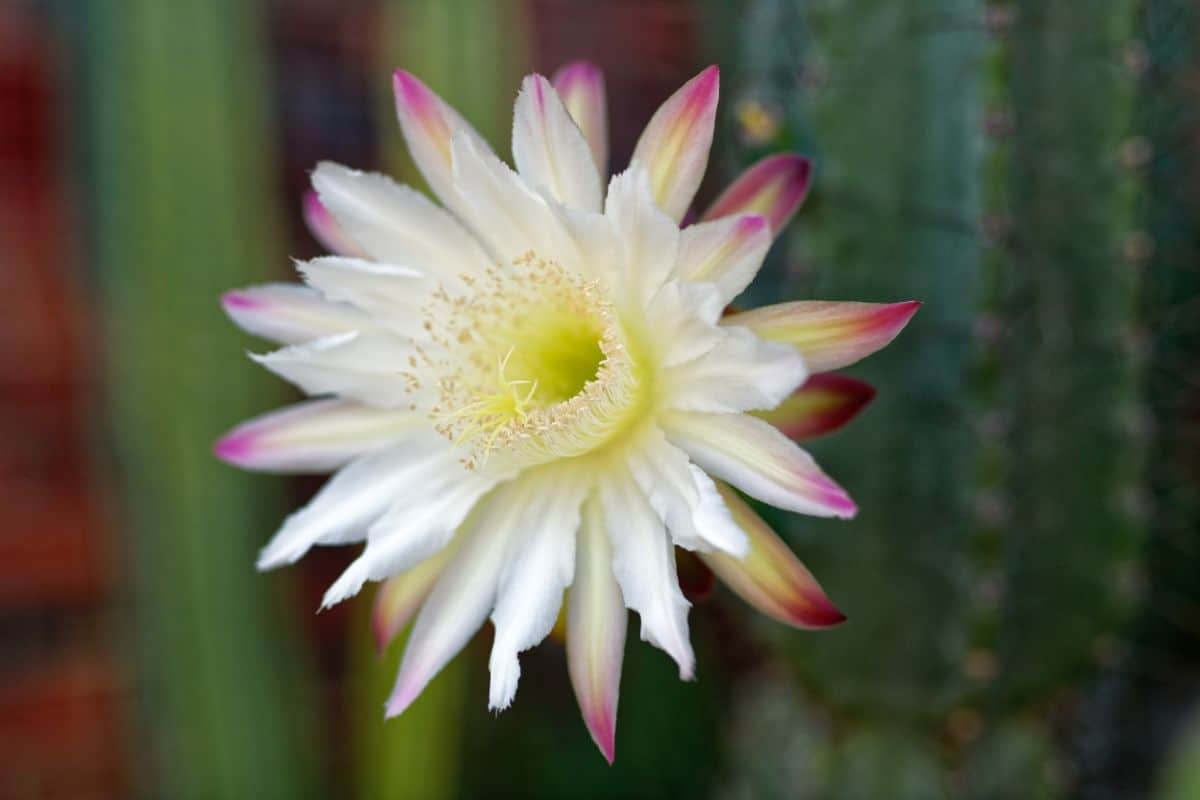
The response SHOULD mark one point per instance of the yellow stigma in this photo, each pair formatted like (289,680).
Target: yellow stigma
(531,363)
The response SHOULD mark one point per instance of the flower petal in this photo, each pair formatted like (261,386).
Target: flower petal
(549,149)
(348,503)
(421,519)
(428,123)
(596,621)
(830,334)
(770,577)
(466,592)
(325,229)
(396,224)
(742,372)
(393,296)
(727,252)
(539,569)
(649,239)
(581,87)
(644,566)
(674,147)
(683,497)
(314,436)
(759,460)
(358,365)
(774,187)
(825,402)
(399,598)
(509,217)
(288,313)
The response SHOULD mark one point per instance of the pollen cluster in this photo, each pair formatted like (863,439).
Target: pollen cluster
(530,363)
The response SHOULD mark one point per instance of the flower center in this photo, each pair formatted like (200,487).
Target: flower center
(532,364)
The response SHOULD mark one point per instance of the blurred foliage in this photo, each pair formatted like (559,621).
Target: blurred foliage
(175,139)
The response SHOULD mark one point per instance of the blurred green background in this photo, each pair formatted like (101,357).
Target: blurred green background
(1023,582)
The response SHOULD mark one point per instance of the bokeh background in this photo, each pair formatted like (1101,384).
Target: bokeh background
(1023,582)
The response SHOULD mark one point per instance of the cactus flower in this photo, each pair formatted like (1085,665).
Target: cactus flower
(529,390)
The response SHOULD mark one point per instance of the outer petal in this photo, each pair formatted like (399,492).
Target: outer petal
(774,187)
(740,373)
(359,365)
(428,123)
(539,570)
(466,592)
(760,461)
(830,334)
(727,252)
(824,403)
(770,577)
(649,239)
(399,598)
(549,149)
(325,229)
(674,147)
(596,620)
(397,224)
(683,497)
(644,566)
(347,504)
(581,86)
(315,436)
(421,519)
(289,313)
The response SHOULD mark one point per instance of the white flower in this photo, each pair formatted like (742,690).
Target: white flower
(530,389)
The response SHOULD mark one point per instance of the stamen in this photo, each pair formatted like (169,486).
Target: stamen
(532,364)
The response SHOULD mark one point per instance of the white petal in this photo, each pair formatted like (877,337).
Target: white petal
(756,458)
(314,436)
(741,373)
(428,123)
(683,497)
(348,503)
(364,366)
(644,566)
(549,149)
(466,592)
(682,316)
(728,252)
(397,224)
(421,519)
(288,313)
(537,572)
(596,621)
(508,216)
(393,296)
(649,238)
(581,86)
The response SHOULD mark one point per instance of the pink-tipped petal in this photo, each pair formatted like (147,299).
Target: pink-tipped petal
(398,598)
(774,187)
(727,252)
(325,228)
(428,123)
(549,150)
(289,313)
(759,460)
(823,404)
(581,86)
(770,577)
(831,335)
(314,436)
(674,147)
